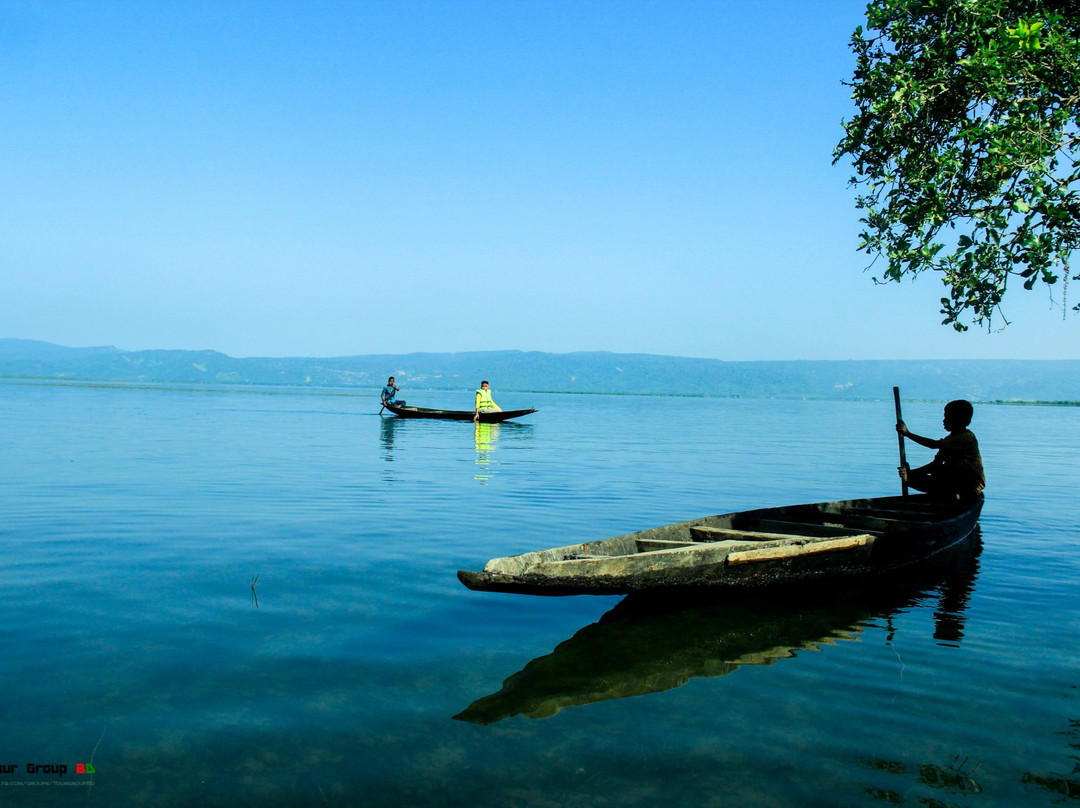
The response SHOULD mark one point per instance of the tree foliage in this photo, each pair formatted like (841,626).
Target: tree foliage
(966,145)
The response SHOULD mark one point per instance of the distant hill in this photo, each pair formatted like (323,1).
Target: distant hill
(595,372)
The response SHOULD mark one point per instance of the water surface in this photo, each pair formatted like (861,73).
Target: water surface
(358,671)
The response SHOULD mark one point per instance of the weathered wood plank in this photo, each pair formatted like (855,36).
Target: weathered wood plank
(811,547)
(892,515)
(731,534)
(816,530)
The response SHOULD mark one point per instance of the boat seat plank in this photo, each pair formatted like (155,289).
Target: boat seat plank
(903,516)
(917,505)
(704,533)
(811,529)
(874,522)
(838,521)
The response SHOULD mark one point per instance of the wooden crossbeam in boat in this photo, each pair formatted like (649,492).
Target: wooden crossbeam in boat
(816,530)
(855,522)
(893,515)
(776,552)
(919,504)
(873,522)
(705,533)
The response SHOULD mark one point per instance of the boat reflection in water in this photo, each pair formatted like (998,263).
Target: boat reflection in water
(485,441)
(648,645)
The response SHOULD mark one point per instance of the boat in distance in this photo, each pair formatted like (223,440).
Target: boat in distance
(765,547)
(494,417)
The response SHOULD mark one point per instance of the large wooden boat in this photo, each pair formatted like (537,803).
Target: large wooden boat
(766,547)
(456,415)
(647,644)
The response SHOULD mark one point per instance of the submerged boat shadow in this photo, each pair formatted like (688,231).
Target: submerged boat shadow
(649,643)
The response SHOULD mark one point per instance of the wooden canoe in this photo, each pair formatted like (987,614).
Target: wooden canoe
(648,643)
(456,415)
(745,550)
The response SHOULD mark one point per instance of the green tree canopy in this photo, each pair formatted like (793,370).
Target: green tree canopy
(965,145)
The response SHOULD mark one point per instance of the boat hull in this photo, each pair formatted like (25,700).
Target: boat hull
(756,549)
(456,415)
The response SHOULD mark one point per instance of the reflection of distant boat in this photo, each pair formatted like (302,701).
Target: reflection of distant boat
(456,415)
(485,438)
(386,432)
(795,544)
(648,645)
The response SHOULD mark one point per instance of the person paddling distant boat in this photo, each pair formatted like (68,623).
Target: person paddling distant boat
(956,472)
(484,401)
(389,394)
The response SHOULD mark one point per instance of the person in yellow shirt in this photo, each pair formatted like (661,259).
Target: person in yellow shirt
(484,401)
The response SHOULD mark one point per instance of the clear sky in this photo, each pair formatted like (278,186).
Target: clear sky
(330,178)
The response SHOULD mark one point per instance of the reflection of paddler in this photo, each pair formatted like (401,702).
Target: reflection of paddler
(484,435)
(484,401)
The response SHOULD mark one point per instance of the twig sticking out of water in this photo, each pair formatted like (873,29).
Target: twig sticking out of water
(94,752)
(254,595)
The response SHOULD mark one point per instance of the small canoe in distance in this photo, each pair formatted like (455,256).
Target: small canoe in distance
(789,545)
(456,415)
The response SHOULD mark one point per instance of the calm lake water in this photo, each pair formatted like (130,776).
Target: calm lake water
(358,671)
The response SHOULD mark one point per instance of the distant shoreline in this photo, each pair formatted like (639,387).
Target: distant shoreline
(1035,403)
(346,392)
(586,373)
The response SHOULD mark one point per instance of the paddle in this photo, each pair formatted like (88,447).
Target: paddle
(900,437)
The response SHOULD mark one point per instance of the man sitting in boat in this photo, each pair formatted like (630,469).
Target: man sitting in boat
(956,472)
(484,401)
(390,392)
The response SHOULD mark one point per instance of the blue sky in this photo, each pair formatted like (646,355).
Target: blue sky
(334,178)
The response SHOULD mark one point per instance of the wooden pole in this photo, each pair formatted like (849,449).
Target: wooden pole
(903,458)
